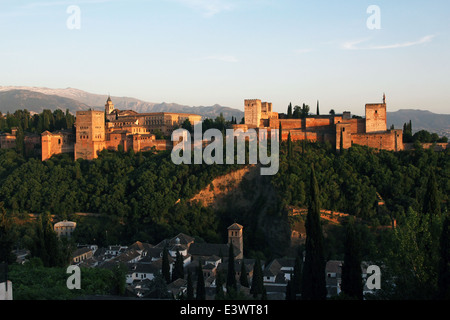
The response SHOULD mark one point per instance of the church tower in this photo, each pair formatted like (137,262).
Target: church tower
(109,106)
(236,238)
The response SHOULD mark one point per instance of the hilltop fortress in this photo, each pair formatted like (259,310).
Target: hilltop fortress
(115,129)
(370,131)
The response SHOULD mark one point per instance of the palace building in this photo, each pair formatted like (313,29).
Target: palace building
(113,129)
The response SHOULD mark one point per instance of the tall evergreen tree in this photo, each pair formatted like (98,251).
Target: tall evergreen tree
(317,111)
(431,204)
(280,133)
(52,243)
(6,238)
(201,291)
(297,277)
(190,287)
(47,246)
(231,272)
(178,269)
(313,284)
(289,111)
(219,287)
(352,285)
(165,268)
(257,280)
(289,146)
(243,280)
(444,261)
(39,249)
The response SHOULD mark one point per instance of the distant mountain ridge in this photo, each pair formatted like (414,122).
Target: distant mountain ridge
(38,98)
(421,120)
(12,100)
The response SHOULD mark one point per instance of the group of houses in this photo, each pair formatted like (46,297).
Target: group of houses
(144,262)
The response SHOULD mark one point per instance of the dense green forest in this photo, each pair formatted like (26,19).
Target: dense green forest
(38,122)
(137,195)
(349,181)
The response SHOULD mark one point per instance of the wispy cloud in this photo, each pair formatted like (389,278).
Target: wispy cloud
(208,8)
(423,40)
(354,45)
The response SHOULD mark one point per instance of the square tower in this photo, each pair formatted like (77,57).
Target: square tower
(236,238)
(252,113)
(376,120)
(90,134)
(266,110)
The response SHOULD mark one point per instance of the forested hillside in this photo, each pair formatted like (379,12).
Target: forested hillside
(146,197)
(349,182)
(137,193)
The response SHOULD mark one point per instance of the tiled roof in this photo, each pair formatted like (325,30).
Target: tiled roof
(80,251)
(235,226)
(209,249)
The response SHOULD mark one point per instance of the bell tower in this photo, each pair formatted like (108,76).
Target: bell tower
(236,238)
(109,106)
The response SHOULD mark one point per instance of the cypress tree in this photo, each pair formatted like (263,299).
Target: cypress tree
(178,270)
(201,291)
(444,261)
(6,239)
(264,294)
(431,204)
(313,284)
(243,280)
(47,246)
(190,287)
(165,268)
(39,249)
(280,133)
(257,280)
(289,146)
(231,273)
(52,244)
(297,277)
(352,284)
(317,111)
(289,112)
(219,287)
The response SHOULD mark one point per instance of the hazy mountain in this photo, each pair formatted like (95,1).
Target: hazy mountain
(11,98)
(36,99)
(421,120)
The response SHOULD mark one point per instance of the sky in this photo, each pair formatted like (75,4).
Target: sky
(343,54)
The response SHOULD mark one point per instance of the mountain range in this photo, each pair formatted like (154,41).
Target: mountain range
(36,99)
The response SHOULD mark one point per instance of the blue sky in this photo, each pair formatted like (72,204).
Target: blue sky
(202,52)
